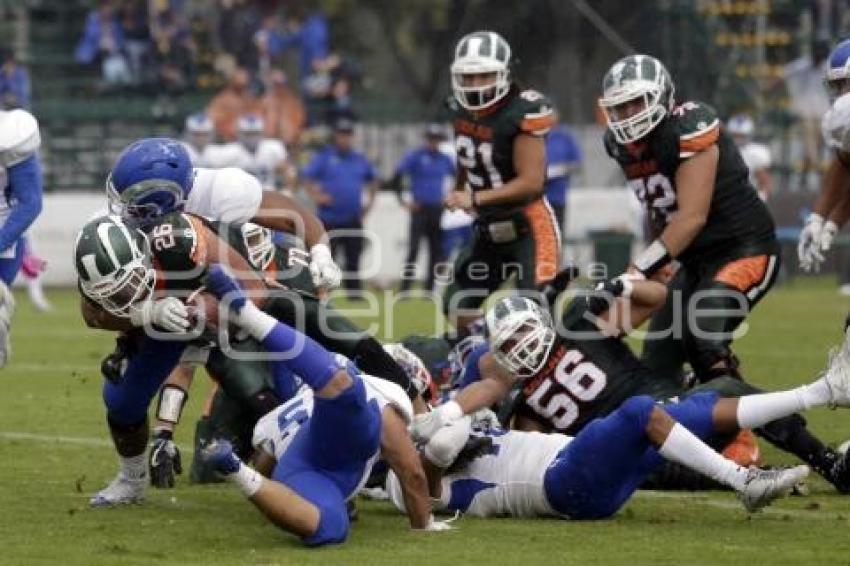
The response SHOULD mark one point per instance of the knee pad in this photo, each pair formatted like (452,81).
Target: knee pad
(637,409)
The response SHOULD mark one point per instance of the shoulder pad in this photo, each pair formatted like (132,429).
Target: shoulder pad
(19,137)
(697,126)
(835,125)
(537,114)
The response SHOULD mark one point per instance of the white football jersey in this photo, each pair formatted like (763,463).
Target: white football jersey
(274,432)
(835,125)
(756,157)
(264,162)
(506,482)
(19,140)
(227,195)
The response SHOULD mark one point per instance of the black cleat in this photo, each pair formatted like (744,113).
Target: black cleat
(838,473)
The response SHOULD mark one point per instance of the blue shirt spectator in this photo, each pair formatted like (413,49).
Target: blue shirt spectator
(428,169)
(102,34)
(563,157)
(311,36)
(339,175)
(15,90)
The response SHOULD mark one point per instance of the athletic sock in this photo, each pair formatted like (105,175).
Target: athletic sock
(134,467)
(685,448)
(762,408)
(247,479)
(303,355)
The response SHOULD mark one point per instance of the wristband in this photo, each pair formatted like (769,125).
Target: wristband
(652,258)
(172,399)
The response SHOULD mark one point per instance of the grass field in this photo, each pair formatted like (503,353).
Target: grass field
(54,452)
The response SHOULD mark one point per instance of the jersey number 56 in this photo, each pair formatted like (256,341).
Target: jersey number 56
(578,380)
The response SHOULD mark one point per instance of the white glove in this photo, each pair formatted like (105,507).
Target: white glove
(169,313)
(447,443)
(808,247)
(426,425)
(435,526)
(827,235)
(325,273)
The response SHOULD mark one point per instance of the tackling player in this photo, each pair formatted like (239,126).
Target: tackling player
(591,476)
(501,155)
(326,441)
(702,210)
(832,207)
(20,179)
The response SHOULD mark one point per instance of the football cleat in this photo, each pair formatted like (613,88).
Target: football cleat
(7,310)
(763,486)
(120,491)
(837,375)
(219,454)
(837,470)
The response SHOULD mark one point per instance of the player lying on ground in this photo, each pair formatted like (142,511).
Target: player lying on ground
(582,369)
(593,474)
(332,435)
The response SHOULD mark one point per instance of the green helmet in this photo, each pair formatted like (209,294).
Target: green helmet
(637,92)
(112,268)
(520,334)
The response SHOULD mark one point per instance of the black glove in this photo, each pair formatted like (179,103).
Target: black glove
(602,297)
(164,459)
(113,365)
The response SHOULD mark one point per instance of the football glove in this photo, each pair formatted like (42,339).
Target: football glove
(169,313)
(324,272)
(809,244)
(605,292)
(426,425)
(435,526)
(164,459)
(827,235)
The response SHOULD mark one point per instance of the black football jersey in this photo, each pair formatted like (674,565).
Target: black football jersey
(737,216)
(485,139)
(587,376)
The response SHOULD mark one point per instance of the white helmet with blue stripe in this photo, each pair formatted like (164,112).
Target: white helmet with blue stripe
(837,77)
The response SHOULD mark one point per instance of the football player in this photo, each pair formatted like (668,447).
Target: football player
(325,440)
(580,370)
(181,248)
(499,130)
(262,157)
(702,210)
(592,475)
(832,207)
(199,131)
(20,178)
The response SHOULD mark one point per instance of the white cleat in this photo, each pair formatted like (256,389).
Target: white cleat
(121,491)
(763,486)
(7,310)
(837,374)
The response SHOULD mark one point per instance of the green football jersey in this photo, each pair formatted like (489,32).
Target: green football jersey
(737,216)
(485,140)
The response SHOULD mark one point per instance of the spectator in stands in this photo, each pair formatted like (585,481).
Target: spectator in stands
(137,39)
(103,41)
(174,50)
(238,21)
(237,98)
(283,110)
(14,82)
(429,171)
(563,158)
(336,179)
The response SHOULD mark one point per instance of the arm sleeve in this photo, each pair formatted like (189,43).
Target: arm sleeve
(25,188)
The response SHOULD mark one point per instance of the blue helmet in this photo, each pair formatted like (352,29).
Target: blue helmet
(150,178)
(838,69)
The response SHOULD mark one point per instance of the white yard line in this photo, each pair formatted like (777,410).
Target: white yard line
(58,439)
